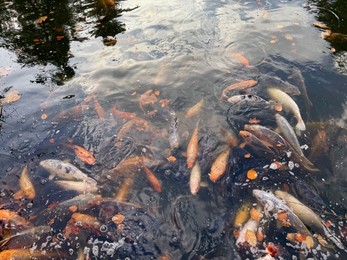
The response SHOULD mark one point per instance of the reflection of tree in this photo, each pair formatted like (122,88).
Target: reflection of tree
(334,14)
(40,32)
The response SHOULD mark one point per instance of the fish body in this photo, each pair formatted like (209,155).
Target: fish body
(241,59)
(195,179)
(242,214)
(193,148)
(7,216)
(288,104)
(195,110)
(174,139)
(63,170)
(297,79)
(241,85)
(260,148)
(273,81)
(219,165)
(275,205)
(86,186)
(288,133)
(124,130)
(152,179)
(122,114)
(308,216)
(83,154)
(27,188)
(98,108)
(268,136)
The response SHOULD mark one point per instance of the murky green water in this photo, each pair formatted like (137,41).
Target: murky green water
(73,78)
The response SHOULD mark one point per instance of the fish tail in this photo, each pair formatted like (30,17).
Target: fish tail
(300,125)
(333,238)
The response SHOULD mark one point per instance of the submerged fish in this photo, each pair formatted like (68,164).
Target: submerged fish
(258,146)
(308,217)
(152,179)
(275,205)
(83,154)
(297,79)
(288,133)
(241,85)
(288,104)
(219,165)
(86,186)
(27,188)
(195,179)
(273,81)
(193,147)
(195,110)
(63,170)
(174,138)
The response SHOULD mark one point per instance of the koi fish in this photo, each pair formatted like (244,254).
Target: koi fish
(258,146)
(27,188)
(63,170)
(275,205)
(242,85)
(195,179)
(193,147)
(297,79)
(122,114)
(242,214)
(247,233)
(195,110)
(125,129)
(174,138)
(219,165)
(71,113)
(89,186)
(98,108)
(124,188)
(10,216)
(288,104)
(308,217)
(83,154)
(26,254)
(152,179)
(241,59)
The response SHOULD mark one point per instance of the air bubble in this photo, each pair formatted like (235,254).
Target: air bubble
(103,228)
(71,251)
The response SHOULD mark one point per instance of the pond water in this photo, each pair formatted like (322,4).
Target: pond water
(117,79)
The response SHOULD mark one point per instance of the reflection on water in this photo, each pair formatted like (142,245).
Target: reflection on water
(137,103)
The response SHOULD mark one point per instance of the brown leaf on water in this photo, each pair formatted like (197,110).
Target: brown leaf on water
(44,116)
(12,96)
(147,98)
(251,238)
(41,19)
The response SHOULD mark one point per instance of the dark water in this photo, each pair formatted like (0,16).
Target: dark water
(59,55)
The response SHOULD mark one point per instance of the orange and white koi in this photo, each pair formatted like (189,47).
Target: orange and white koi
(241,85)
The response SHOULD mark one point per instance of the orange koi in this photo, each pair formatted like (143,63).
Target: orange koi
(86,220)
(71,113)
(194,110)
(83,154)
(7,216)
(27,188)
(241,59)
(241,85)
(98,108)
(124,189)
(152,179)
(125,129)
(122,114)
(193,148)
(21,254)
(219,165)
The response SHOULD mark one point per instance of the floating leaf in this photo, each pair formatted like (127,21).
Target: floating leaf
(147,98)
(282,216)
(273,41)
(260,235)
(291,237)
(300,237)
(171,159)
(73,208)
(279,26)
(157,92)
(251,238)
(12,96)
(44,116)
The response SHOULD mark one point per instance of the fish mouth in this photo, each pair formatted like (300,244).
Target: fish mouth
(244,134)
(257,193)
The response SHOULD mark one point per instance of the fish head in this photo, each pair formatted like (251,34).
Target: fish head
(247,136)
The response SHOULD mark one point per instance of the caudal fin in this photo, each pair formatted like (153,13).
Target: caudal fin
(300,125)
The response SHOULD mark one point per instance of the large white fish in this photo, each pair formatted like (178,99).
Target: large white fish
(308,217)
(275,205)
(63,170)
(288,104)
(89,186)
